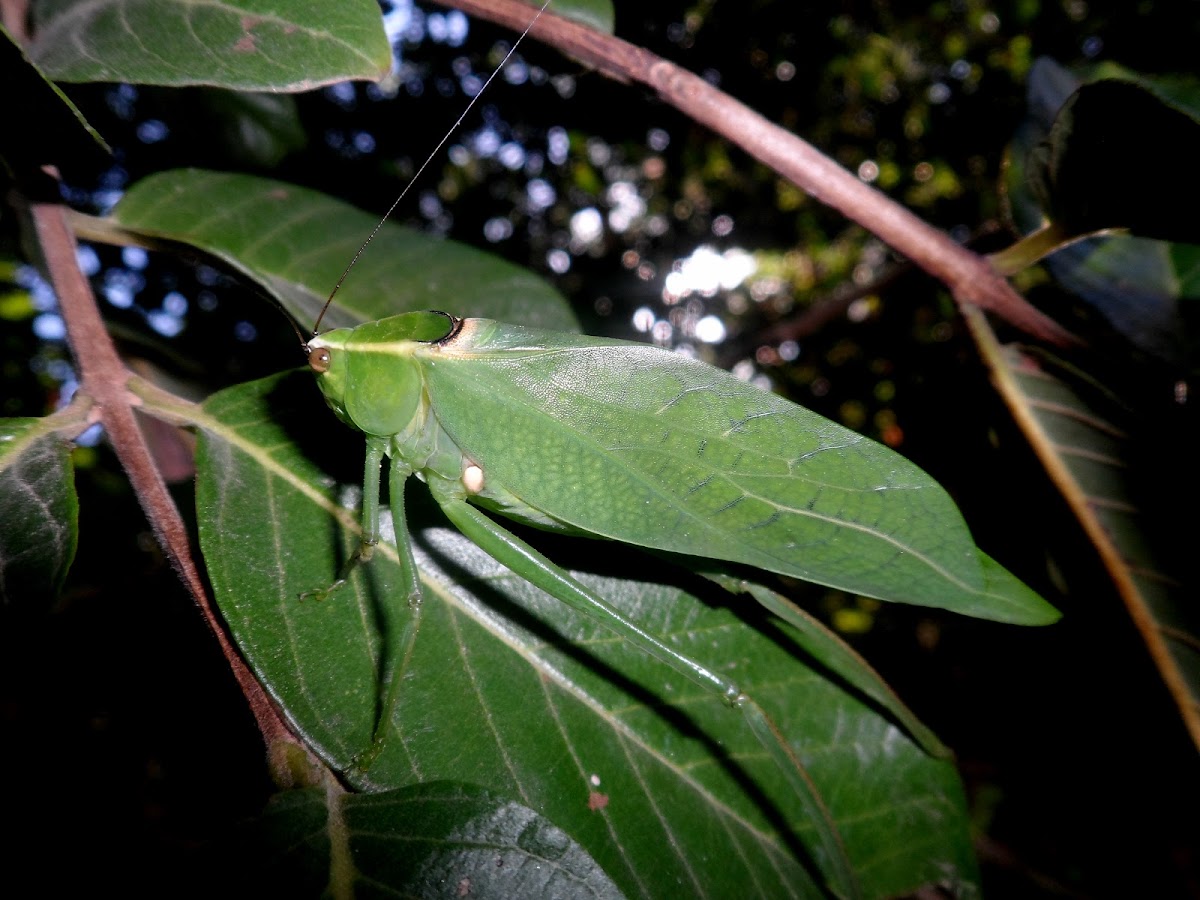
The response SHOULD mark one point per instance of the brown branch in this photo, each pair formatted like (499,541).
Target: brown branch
(103,378)
(969,276)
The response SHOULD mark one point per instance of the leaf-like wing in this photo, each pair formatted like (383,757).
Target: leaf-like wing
(637,444)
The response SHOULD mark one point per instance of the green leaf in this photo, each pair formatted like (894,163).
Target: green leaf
(39,509)
(296,243)
(508,689)
(436,839)
(288,45)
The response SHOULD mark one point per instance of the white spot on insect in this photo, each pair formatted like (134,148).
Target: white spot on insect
(472,478)
(595,780)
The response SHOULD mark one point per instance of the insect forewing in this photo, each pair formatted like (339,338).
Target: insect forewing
(645,446)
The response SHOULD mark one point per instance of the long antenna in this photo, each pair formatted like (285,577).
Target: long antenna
(428,159)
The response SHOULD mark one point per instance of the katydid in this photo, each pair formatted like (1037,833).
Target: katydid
(635,444)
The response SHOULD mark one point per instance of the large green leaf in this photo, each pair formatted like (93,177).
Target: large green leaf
(508,689)
(296,242)
(253,45)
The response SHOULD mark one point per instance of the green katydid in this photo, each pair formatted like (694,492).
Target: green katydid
(632,443)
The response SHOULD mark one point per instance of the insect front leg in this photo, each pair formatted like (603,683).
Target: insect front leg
(528,563)
(370,521)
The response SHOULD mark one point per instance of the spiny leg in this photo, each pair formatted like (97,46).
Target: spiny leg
(526,562)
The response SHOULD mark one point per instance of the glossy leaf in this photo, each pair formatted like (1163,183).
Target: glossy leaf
(39,509)
(508,689)
(296,242)
(431,840)
(289,45)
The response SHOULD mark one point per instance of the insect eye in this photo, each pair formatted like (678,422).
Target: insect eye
(318,359)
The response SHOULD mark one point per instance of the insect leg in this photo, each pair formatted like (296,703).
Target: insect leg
(403,645)
(535,568)
(370,521)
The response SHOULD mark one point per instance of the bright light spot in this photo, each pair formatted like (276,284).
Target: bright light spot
(558,143)
(40,292)
(516,72)
(164,323)
(859,310)
(960,69)
(429,205)
(152,131)
(744,370)
(472,85)
(132,257)
(559,261)
(175,304)
(599,153)
(396,21)
(662,331)
(118,294)
(511,156)
(938,92)
(564,85)
(49,327)
(457,26)
(459,155)
(342,94)
(540,194)
(87,260)
(438,27)
(658,139)
(989,23)
(710,330)
(486,142)
(788,351)
(364,142)
(722,225)
(626,205)
(785,71)
(497,228)
(706,272)
(868,170)
(643,319)
(587,225)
